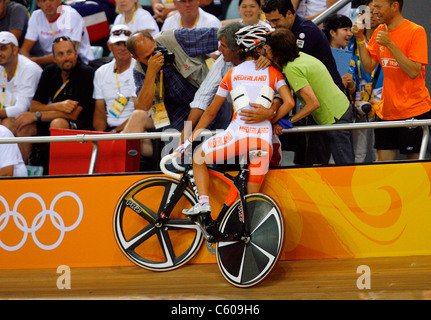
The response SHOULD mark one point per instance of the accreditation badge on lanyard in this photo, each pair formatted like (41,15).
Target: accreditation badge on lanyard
(118,105)
(119,102)
(158,110)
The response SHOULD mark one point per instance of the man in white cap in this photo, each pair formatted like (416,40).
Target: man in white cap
(19,77)
(114,87)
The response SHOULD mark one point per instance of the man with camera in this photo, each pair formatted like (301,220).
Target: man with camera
(368,92)
(166,82)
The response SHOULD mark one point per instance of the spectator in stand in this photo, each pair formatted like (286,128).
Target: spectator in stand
(51,21)
(63,99)
(338,30)
(11,163)
(19,80)
(400,46)
(131,14)
(161,9)
(310,39)
(368,94)
(13,18)
(322,99)
(114,87)
(250,12)
(190,15)
(168,86)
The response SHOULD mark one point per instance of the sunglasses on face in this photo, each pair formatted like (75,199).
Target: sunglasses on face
(120,32)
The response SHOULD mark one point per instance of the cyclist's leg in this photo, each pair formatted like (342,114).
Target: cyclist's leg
(211,151)
(200,171)
(258,165)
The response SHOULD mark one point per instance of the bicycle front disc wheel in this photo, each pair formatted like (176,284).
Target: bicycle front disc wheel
(245,263)
(148,244)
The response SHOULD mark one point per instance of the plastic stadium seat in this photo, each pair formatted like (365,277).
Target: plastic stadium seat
(232,10)
(97,51)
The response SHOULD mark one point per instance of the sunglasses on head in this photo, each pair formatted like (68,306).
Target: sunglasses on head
(62,38)
(120,32)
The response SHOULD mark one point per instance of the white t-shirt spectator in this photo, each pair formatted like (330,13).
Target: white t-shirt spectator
(19,91)
(205,20)
(142,20)
(10,154)
(106,88)
(69,23)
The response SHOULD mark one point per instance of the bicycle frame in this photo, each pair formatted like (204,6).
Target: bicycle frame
(237,186)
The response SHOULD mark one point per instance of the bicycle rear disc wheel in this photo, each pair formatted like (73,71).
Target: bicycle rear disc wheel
(247,263)
(155,247)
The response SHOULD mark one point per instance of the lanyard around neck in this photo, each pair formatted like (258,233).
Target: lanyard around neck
(4,87)
(60,89)
(194,25)
(131,21)
(116,78)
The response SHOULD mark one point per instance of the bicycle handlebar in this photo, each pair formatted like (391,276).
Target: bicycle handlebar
(174,158)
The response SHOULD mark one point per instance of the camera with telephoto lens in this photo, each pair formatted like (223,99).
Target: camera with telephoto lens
(169,57)
(363,107)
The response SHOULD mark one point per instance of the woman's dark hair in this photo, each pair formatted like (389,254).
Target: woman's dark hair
(283,45)
(257,2)
(334,22)
(283,6)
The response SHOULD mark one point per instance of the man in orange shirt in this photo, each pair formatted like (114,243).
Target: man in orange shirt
(400,46)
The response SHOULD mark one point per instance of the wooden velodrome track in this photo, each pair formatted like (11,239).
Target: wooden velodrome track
(391,278)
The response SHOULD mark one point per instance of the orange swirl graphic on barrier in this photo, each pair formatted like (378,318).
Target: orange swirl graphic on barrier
(385,220)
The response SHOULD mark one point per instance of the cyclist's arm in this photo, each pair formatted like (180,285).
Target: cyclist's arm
(208,116)
(193,118)
(287,105)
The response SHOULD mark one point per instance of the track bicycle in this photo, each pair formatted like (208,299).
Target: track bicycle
(152,232)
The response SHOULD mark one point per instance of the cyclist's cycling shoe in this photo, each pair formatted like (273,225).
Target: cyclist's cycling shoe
(197,209)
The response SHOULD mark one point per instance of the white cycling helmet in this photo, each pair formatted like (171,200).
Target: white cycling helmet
(251,37)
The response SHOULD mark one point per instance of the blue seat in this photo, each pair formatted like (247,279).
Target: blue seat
(232,10)
(145,3)
(97,51)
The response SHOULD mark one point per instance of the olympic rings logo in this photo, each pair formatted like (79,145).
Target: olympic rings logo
(39,220)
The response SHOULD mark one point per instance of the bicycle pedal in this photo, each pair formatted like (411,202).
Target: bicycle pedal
(210,247)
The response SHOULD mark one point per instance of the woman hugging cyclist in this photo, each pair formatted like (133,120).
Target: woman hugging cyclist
(246,85)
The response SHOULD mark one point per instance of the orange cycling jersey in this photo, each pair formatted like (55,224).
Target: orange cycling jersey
(240,137)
